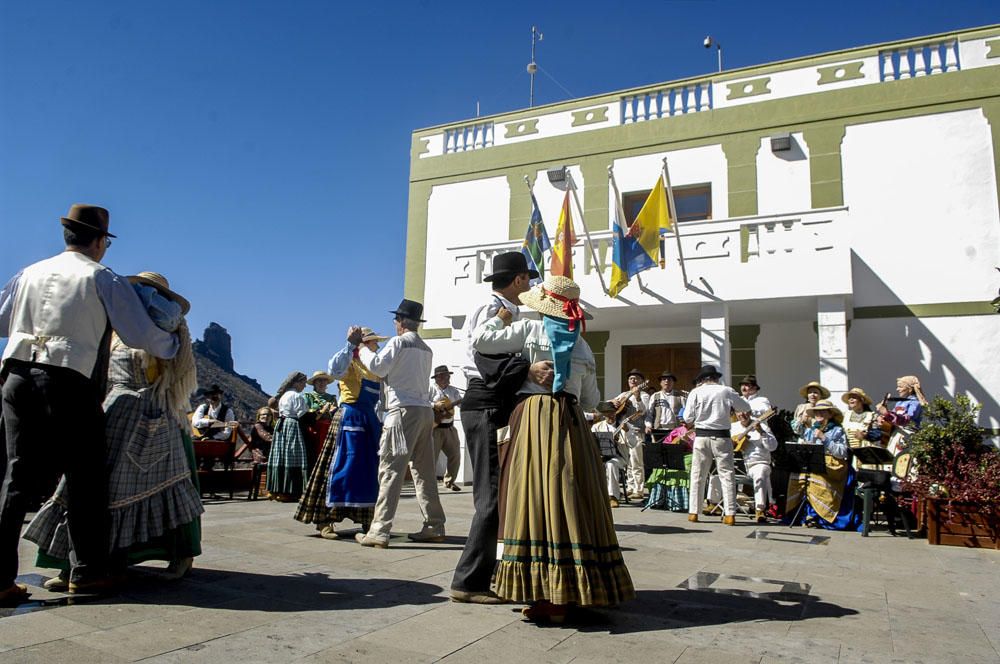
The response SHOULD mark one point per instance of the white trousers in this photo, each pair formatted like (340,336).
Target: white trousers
(760,473)
(612,468)
(705,449)
(635,476)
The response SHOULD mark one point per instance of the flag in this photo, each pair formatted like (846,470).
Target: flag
(652,218)
(536,242)
(637,248)
(628,258)
(562,250)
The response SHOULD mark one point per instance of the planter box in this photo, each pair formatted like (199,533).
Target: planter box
(962,524)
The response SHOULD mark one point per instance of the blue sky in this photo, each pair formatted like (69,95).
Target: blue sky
(257,153)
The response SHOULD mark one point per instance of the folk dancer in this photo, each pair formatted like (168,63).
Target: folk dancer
(707,411)
(343,483)
(445,398)
(486,409)
(213,419)
(638,403)
(552,494)
(756,451)
(407,437)
(812,392)
(613,448)
(58,315)
(288,465)
(829,495)
(153,496)
(316,422)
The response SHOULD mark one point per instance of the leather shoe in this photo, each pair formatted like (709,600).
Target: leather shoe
(374,542)
(729,520)
(483,597)
(329,533)
(14,595)
(613,501)
(427,535)
(693,518)
(101,585)
(58,584)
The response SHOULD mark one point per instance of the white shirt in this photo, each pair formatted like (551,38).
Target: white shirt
(292,404)
(404,364)
(204,415)
(610,448)
(480,315)
(708,406)
(759,404)
(759,445)
(663,410)
(450,393)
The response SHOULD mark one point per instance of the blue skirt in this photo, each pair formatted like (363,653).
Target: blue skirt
(354,470)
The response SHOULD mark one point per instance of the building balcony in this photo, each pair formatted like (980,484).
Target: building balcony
(743,259)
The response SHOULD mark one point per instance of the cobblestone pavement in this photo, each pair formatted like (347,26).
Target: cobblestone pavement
(267,590)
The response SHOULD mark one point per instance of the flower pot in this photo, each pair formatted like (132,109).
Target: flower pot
(962,524)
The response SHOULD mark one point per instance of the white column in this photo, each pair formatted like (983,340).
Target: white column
(715,337)
(831,321)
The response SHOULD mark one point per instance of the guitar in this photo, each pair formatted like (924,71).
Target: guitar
(625,408)
(444,409)
(625,421)
(882,424)
(739,441)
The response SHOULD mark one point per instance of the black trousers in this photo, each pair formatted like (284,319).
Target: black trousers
(475,568)
(54,425)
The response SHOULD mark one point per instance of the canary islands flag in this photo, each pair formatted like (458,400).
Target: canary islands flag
(536,242)
(637,248)
(562,250)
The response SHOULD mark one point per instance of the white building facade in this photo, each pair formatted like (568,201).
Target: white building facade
(839,219)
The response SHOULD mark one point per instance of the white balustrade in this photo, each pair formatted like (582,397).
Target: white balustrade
(920,60)
(468,137)
(667,102)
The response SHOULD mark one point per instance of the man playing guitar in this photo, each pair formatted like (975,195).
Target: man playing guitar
(628,403)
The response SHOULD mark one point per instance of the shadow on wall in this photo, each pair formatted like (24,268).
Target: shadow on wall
(881,349)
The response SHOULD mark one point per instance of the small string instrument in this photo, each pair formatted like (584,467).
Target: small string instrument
(626,408)
(444,409)
(740,440)
(886,427)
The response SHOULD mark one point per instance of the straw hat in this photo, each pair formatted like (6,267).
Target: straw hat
(557,297)
(317,375)
(368,334)
(827,405)
(859,393)
(823,392)
(160,283)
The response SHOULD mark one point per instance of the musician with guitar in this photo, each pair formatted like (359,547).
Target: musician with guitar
(214,419)
(754,440)
(444,398)
(612,440)
(634,401)
(906,414)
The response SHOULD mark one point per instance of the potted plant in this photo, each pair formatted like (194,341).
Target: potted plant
(957,476)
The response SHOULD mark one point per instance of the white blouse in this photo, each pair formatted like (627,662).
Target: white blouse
(292,404)
(528,338)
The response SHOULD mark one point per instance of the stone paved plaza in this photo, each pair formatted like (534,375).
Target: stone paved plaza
(268,590)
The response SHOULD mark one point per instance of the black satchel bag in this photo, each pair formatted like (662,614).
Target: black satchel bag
(504,373)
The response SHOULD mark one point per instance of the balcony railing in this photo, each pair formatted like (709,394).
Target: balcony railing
(919,60)
(667,102)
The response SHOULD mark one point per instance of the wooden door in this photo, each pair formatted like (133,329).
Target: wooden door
(683,360)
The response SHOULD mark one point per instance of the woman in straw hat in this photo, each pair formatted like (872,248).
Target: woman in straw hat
(316,421)
(811,392)
(559,542)
(288,465)
(344,481)
(829,495)
(858,425)
(153,495)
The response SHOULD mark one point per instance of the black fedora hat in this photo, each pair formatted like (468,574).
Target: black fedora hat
(87,217)
(636,372)
(750,379)
(707,372)
(667,374)
(443,369)
(410,309)
(512,262)
(215,389)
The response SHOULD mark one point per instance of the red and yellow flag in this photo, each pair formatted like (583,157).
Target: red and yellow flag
(562,248)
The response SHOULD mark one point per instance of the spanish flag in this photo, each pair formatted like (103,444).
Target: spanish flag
(562,249)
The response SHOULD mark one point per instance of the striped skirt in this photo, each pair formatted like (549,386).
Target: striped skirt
(312,504)
(287,465)
(559,541)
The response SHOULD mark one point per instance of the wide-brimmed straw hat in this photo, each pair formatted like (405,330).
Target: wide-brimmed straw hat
(160,283)
(827,405)
(823,392)
(368,334)
(557,297)
(317,375)
(859,393)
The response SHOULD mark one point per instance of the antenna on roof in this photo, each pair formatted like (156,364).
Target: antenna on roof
(536,36)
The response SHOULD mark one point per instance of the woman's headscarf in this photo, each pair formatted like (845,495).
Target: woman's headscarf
(562,334)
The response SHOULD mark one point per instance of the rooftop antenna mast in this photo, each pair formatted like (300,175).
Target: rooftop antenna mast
(536,36)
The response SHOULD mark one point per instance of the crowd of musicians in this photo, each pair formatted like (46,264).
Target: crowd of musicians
(98,372)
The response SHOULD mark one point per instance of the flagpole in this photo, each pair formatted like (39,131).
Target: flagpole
(677,222)
(593,252)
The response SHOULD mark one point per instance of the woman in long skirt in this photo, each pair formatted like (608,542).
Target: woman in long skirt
(559,543)
(288,465)
(154,501)
(344,482)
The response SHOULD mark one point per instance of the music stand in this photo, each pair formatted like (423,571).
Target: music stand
(671,458)
(872,455)
(803,458)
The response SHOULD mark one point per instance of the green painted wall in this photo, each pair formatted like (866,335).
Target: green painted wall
(598,342)
(742,351)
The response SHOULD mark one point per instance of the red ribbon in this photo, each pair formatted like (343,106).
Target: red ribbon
(571,308)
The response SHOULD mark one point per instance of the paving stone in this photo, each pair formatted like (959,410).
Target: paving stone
(38,627)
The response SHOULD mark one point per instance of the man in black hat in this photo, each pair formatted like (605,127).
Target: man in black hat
(214,419)
(751,392)
(444,398)
(664,406)
(639,405)
(407,437)
(708,411)
(485,409)
(58,315)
